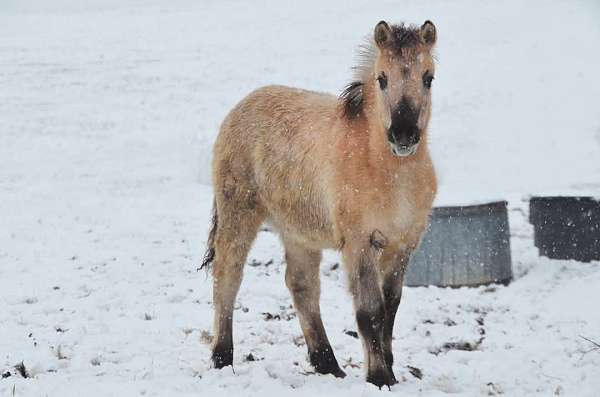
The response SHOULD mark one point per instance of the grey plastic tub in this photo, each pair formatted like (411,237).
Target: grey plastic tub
(463,246)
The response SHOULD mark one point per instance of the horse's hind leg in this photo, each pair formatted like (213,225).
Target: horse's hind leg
(237,227)
(302,279)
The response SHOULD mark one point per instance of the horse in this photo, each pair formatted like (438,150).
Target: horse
(351,173)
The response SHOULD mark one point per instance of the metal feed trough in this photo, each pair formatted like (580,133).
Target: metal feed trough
(566,227)
(463,246)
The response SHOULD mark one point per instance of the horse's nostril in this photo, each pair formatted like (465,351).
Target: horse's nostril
(404,135)
(404,141)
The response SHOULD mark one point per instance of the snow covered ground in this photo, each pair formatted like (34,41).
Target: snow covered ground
(108,110)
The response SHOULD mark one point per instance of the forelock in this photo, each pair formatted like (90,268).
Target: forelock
(404,37)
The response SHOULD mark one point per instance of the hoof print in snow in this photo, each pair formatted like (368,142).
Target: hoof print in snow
(250,357)
(416,372)
(494,389)
(270,317)
(461,345)
(206,337)
(449,322)
(351,333)
(286,313)
(22,370)
(60,353)
(255,263)
(350,363)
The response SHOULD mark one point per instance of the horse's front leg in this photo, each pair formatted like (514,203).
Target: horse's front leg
(393,265)
(361,258)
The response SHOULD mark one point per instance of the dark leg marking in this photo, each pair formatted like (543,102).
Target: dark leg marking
(370,318)
(392,293)
(391,309)
(222,355)
(302,279)
(382,377)
(370,325)
(324,362)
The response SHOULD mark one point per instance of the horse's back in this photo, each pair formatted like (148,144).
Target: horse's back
(281,106)
(274,143)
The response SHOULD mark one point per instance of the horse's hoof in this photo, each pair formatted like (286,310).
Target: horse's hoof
(338,373)
(324,362)
(222,357)
(382,377)
(393,377)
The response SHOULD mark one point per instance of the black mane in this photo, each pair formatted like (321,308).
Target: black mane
(352,98)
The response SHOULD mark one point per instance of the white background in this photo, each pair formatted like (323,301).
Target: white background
(108,111)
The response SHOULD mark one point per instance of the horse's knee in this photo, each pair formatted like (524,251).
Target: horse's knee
(298,285)
(370,307)
(294,286)
(302,271)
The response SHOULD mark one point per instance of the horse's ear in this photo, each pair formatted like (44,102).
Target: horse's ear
(382,34)
(428,33)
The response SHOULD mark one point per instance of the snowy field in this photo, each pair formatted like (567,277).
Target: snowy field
(108,111)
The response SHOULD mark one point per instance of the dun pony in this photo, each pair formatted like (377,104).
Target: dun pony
(352,173)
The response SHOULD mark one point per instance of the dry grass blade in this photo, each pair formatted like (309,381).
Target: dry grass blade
(591,341)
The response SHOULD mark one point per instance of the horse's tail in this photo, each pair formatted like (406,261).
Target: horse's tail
(209,255)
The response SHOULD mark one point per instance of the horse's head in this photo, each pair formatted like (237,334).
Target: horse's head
(402,77)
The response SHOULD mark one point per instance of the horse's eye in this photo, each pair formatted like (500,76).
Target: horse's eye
(427,79)
(382,80)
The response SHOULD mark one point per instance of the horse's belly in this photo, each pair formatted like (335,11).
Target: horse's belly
(300,216)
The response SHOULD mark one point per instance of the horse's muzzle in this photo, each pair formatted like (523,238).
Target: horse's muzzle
(404,134)
(404,141)
(403,150)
